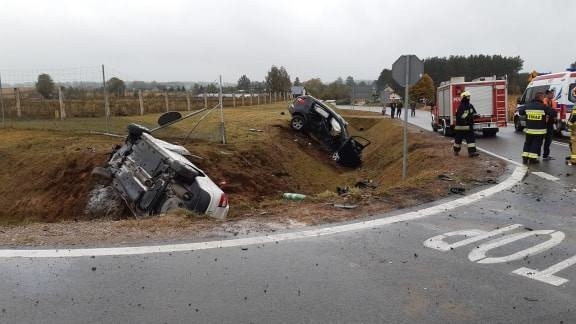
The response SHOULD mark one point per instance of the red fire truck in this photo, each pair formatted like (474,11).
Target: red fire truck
(488,95)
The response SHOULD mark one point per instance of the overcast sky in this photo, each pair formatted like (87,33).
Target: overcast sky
(199,40)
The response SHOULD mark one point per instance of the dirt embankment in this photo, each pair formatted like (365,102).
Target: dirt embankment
(45,179)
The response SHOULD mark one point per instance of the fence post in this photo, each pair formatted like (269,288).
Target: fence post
(188,106)
(275,97)
(251,104)
(270,101)
(141,101)
(18,108)
(258,99)
(233,99)
(61,101)
(205,100)
(166,99)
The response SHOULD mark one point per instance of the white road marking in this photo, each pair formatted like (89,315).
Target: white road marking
(479,254)
(545,175)
(560,144)
(474,235)
(547,275)
(513,179)
(500,157)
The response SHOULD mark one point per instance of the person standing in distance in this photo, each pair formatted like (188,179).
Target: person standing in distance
(464,128)
(413,109)
(552,104)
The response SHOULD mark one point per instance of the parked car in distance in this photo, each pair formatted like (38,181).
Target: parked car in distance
(312,116)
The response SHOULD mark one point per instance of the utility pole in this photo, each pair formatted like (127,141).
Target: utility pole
(106,104)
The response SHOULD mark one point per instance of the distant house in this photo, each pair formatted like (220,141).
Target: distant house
(297,91)
(387,95)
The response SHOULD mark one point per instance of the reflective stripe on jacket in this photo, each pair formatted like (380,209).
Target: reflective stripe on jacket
(535,113)
(465,117)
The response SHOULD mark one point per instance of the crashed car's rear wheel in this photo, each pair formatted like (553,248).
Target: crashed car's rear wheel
(297,123)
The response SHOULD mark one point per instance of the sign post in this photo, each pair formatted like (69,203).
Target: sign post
(407,70)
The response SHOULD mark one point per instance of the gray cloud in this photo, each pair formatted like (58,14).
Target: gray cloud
(193,40)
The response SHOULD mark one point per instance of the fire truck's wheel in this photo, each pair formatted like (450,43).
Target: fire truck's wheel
(444,128)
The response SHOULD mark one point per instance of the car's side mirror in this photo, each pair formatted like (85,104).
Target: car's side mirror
(519,100)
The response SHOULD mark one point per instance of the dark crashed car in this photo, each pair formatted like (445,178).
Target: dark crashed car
(312,116)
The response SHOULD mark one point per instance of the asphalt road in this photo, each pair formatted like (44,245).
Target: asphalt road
(398,272)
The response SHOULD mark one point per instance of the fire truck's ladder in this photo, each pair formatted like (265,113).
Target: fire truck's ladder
(501,104)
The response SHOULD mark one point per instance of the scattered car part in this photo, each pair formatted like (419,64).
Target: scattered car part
(342,206)
(365,184)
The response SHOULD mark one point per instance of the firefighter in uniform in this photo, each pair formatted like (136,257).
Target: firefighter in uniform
(551,103)
(571,160)
(537,115)
(464,128)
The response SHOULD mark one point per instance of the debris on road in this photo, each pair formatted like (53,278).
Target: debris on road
(341,191)
(444,177)
(457,190)
(365,184)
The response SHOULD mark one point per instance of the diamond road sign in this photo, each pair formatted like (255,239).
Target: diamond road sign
(410,64)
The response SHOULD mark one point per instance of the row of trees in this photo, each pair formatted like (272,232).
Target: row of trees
(47,88)
(276,80)
(337,90)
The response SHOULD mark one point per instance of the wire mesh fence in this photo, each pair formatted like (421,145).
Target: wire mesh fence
(79,101)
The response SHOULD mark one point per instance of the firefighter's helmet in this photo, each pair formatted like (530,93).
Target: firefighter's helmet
(465,94)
